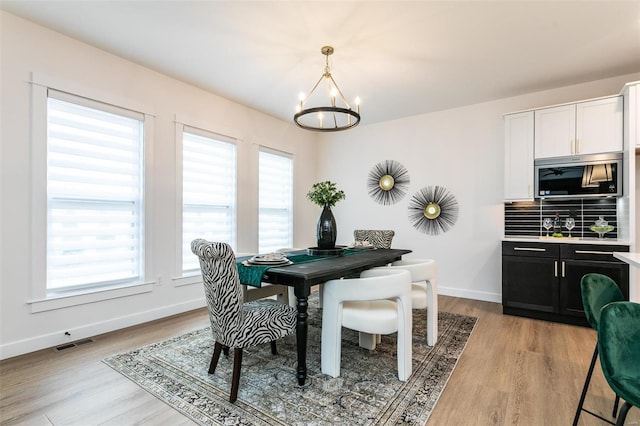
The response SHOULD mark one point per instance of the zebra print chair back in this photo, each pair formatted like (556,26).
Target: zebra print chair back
(377,238)
(235,324)
(222,288)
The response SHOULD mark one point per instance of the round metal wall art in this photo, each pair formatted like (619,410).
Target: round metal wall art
(433,210)
(388,182)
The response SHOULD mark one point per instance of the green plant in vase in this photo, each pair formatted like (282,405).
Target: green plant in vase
(326,195)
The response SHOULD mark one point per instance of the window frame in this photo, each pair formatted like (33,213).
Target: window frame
(180,277)
(291,157)
(39,298)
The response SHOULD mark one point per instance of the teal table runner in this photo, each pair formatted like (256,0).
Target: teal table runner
(252,274)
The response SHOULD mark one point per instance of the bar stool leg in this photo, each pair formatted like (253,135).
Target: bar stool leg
(586,386)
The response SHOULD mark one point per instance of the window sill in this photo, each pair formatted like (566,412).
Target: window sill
(187,280)
(65,301)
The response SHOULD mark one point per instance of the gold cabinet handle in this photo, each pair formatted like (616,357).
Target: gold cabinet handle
(593,252)
(555,266)
(528,249)
(563,269)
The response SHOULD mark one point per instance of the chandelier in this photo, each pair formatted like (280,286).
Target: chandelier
(335,113)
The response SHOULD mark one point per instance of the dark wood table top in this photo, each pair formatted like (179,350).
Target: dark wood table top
(312,273)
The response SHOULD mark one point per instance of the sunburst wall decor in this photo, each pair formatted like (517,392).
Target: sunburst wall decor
(433,209)
(388,182)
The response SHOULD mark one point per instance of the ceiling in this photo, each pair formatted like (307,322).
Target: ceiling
(400,58)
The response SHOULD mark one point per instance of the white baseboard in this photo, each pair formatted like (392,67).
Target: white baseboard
(470,294)
(45,341)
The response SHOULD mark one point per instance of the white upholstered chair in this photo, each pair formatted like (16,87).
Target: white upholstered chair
(424,291)
(379,302)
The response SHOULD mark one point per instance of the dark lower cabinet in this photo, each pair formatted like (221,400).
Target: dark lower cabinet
(542,280)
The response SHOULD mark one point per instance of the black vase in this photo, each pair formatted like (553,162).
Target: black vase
(326,231)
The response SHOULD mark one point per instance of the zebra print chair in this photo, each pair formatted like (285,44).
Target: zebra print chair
(235,324)
(377,238)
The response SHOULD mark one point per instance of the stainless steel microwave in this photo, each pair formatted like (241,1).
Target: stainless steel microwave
(578,176)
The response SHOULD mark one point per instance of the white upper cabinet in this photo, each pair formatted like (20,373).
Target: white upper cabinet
(599,126)
(583,128)
(518,161)
(555,131)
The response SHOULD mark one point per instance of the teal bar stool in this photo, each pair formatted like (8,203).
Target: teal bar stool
(597,291)
(619,346)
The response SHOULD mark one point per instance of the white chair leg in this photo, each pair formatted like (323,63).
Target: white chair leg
(331,343)
(367,341)
(320,291)
(432,312)
(293,300)
(405,353)
(378,338)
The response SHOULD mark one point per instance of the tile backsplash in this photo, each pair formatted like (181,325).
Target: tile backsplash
(525,218)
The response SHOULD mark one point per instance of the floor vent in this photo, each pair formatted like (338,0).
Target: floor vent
(73,344)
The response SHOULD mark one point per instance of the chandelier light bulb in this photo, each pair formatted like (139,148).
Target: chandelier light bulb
(333,93)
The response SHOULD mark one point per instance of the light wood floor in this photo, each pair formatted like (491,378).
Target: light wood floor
(514,371)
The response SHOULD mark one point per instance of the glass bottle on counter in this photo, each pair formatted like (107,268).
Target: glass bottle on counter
(557,226)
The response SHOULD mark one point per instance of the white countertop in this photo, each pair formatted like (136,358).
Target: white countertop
(630,258)
(567,240)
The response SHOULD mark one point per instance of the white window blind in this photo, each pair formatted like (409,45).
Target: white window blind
(94,194)
(208,192)
(276,202)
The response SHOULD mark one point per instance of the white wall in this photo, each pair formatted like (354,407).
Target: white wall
(460,149)
(28,48)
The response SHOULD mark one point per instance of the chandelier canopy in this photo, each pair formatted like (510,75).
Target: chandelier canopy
(330,114)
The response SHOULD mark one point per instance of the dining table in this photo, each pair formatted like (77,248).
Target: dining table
(314,270)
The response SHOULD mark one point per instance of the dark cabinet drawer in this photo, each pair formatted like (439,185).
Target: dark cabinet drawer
(530,249)
(594,252)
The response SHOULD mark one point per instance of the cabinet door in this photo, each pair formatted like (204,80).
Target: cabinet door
(555,131)
(529,283)
(599,126)
(518,160)
(572,272)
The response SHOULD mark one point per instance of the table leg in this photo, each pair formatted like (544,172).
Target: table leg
(301,336)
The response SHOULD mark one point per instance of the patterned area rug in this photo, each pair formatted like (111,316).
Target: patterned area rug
(367,392)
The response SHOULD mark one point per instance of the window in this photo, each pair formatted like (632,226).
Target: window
(208,192)
(94,194)
(276,201)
